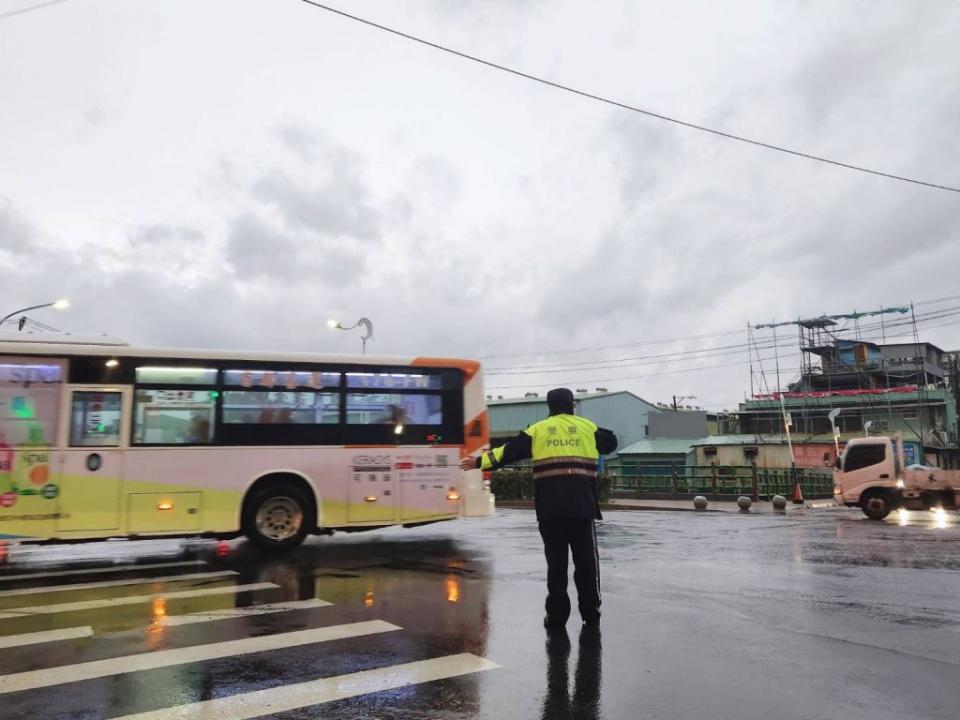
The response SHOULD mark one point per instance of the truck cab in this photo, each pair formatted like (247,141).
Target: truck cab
(870,474)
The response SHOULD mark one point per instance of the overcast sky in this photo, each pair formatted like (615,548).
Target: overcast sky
(231,173)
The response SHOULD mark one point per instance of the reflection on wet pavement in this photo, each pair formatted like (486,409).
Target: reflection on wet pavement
(445,622)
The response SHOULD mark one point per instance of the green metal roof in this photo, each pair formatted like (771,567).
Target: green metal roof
(577,398)
(660,446)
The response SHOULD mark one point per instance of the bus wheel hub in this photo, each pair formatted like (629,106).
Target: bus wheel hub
(279,518)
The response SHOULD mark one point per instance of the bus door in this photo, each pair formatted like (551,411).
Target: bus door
(95,433)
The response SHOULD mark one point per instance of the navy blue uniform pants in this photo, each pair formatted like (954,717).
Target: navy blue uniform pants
(562,537)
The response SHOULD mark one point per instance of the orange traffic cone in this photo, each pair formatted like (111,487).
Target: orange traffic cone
(797,494)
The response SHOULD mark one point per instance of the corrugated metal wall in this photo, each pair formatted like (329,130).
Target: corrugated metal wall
(623,413)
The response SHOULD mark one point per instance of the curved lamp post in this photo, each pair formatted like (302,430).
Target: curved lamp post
(58,305)
(362,322)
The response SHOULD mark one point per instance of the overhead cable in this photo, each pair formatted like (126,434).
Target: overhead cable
(31,8)
(625,106)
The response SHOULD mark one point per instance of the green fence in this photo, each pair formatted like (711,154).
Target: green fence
(720,480)
(679,480)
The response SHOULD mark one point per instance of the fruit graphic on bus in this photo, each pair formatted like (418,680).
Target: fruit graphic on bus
(40,474)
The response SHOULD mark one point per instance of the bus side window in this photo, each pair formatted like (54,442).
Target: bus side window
(174,417)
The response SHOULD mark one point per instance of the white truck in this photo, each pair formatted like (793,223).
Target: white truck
(870,474)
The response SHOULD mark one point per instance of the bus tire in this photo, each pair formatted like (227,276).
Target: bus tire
(275,516)
(876,504)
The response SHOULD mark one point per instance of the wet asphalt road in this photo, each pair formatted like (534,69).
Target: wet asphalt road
(816,614)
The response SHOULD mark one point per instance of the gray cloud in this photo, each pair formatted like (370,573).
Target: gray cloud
(467,212)
(159,235)
(299,141)
(257,250)
(16,236)
(341,208)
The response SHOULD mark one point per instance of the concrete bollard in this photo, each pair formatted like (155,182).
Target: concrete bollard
(744,502)
(779,503)
(700,502)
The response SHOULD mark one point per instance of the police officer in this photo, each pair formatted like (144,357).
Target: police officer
(565,449)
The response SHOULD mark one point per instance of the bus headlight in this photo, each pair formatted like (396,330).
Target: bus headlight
(899,484)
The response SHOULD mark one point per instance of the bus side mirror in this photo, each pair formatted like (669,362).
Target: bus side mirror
(837,463)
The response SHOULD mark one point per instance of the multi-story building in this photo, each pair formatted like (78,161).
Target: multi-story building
(869,387)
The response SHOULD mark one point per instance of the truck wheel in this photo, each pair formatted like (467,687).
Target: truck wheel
(275,518)
(876,504)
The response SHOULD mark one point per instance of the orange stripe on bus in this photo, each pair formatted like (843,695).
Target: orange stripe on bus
(469,367)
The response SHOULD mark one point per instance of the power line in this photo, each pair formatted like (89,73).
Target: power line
(696,353)
(616,362)
(21,11)
(624,106)
(755,346)
(630,377)
(636,343)
(667,341)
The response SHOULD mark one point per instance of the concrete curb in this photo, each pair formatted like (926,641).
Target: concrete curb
(528,505)
(604,507)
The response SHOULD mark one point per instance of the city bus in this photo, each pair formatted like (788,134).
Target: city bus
(100,439)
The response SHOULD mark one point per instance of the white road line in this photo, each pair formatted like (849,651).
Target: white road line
(45,636)
(43,589)
(49,677)
(315,692)
(98,571)
(20,612)
(229,613)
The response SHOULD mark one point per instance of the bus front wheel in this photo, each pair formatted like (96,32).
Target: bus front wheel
(275,517)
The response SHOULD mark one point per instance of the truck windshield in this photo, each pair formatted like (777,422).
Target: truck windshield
(861,456)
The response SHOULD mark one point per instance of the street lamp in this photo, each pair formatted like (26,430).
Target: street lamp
(362,322)
(56,305)
(833,426)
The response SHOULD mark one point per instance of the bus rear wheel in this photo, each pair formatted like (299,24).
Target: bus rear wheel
(876,504)
(276,517)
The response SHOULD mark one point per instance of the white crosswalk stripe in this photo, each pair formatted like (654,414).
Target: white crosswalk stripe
(240,706)
(230,613)
(44,636)
(43,589)
(102,570)
(21,612)
(315,692)
(48,677)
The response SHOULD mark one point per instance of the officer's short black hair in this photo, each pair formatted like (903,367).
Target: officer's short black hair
(560,401)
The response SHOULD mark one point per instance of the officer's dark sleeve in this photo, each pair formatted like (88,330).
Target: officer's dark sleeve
(516,448)
(606,441)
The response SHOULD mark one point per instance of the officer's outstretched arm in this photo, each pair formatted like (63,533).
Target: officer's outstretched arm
(517,448)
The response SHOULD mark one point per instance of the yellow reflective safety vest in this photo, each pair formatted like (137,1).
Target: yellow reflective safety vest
(564,453)
(563,445)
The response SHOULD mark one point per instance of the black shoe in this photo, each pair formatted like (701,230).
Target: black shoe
(554,623)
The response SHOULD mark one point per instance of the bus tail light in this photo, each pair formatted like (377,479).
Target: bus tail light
(165,505)
(453,495)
